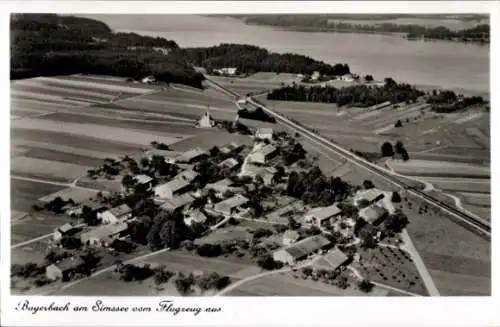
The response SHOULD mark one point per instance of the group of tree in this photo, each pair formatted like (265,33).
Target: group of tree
(27,270)
(447,101)
(396,221)
(250,59)
(168,230)
(184,284)
(291,153)
(267,262)
(48,44)
(355,95)
(314,188)
(388,150)
(56,205)
(257,114)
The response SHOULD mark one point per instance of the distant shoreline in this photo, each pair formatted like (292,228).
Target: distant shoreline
(316,29)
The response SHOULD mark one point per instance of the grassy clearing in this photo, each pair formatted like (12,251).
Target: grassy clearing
(462,184)
(451,284)
(100,185)
(223,234)
(68,150)
(46,168)
(34,252)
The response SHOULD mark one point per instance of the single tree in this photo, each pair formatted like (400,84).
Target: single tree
(387,149)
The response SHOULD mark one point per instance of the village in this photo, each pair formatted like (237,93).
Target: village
(202,199)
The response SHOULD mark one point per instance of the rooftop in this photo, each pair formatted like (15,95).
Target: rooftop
(191,154)
(173,185)
(230,203)
(229,162)
(163,153)
(335,257)
(187,175)
(291,235)
(268,149)
(104,231)
(372,213)
(370,194)
(143,179)
(230,147)
(178,202)
(307,246)
(69,263)
(121,210)
(322,213)
(66,228)
(264,130)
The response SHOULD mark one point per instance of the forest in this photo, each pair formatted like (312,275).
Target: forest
(249,59)
(49,44)
(356,95)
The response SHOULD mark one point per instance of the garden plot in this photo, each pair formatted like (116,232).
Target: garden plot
(92,131)
(52,170)
(77,194)
(391,266)
(439,168)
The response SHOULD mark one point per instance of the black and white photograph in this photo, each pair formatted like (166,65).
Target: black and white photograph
(250,154)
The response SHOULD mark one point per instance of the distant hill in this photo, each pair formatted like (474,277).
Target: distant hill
(49,44)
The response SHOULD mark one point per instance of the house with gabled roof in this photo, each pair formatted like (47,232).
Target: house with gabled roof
(116,214)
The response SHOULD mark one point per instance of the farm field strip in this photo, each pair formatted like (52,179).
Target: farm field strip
(166,103)
(33,86)
(92,131)
(478,136)
(175,129)
(33,104)
(66,139)
(479,199)
(468,118)
(394,116)
(46,168)
(449,157)
(59,156)
(106,85)
(65,149)
(47,97)
(452,284)
(460,184)
(427,167)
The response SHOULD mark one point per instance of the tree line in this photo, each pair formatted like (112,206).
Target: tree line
(48,45)
(250,59)
(447,101)
(356,95)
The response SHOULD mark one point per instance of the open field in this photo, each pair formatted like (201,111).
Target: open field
(70,140)
(34,252)
(176,261)
(255,83)
(92,131)
(35,225)
(60,156)
(460,184)
(60,171)
(478,199)
(222,234)
(447,247)
(437,168)
(78,195)
(24,193)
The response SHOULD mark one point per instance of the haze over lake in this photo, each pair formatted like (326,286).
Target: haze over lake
(447,64)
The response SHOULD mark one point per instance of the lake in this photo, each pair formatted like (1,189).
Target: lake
(446,64)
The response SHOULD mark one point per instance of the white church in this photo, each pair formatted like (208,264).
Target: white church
(205,121)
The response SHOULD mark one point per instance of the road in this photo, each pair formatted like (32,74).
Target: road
(477,224)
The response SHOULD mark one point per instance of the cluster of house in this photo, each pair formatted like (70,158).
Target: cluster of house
(376,207)
(226,71)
